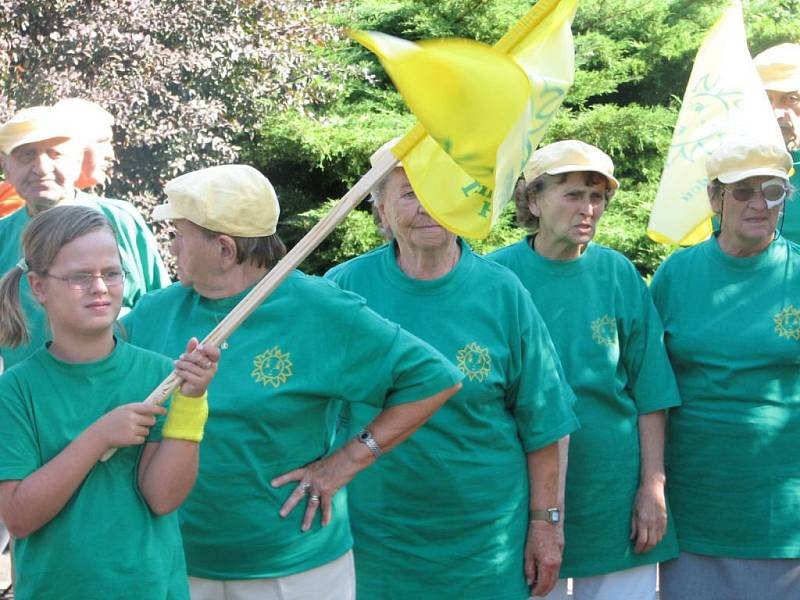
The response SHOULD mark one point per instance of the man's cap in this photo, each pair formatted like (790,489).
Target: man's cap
(741,158)
(35,124)
(95,121)
(569,156)
(382,151)
(779,67)
(236,200)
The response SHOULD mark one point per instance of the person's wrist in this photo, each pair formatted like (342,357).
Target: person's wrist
(186,418)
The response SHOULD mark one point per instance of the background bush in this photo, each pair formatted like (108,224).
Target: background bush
(276,84)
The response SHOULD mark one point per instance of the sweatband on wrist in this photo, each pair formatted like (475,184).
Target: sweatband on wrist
(186,417)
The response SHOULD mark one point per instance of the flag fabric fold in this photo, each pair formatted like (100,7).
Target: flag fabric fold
(482,111)
(724,99)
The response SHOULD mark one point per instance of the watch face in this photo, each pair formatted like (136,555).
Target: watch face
(555,515)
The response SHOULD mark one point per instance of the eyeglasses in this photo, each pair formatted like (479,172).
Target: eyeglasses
(771,192)
(84,281)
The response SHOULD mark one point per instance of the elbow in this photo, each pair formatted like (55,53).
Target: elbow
(17,527)
(161,506)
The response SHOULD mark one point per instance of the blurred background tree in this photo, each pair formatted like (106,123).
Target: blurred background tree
(276,84)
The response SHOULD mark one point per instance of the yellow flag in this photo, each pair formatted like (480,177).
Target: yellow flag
(481,110)
(724,98)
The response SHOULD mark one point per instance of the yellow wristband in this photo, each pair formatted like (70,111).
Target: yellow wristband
(186,418)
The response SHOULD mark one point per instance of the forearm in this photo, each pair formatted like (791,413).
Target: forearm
(545,477)
(391,427)
(167,472)
(28,505)
(651,448)
(563,462)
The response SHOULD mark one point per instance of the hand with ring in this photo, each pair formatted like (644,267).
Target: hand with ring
(320,480)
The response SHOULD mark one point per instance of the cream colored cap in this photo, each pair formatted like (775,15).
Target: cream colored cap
(779,67)
(381,152)
(739,159)
(569,156)
(34,124)
(94,120)
(235,200)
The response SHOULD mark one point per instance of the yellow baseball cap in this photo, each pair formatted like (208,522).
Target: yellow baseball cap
(569,156)
(739,159)
(35,124)
(779,67)
(235,200)
(93,118)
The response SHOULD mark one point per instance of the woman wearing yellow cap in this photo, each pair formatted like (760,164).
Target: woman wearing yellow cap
(731,312)
(469,507)
(609,338)
(264,520)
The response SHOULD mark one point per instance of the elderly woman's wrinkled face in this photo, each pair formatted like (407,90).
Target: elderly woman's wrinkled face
(196,254)
(569,211)
(402,213)
(750,221)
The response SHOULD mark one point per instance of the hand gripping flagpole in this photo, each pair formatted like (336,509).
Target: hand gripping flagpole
(281,271)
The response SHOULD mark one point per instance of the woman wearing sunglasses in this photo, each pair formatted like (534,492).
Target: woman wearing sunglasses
(731,313)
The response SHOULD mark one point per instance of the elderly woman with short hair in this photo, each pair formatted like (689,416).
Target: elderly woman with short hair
(286,369)
(469,507)
(610,341)
(731,312)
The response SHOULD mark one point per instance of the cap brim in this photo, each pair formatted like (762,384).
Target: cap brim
(782,85)
(734,176)
(573,168)
(37,136)
(165,211)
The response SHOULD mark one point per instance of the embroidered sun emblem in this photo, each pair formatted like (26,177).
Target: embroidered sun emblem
(273,367)
(604,330)
(787,322)
(474,362)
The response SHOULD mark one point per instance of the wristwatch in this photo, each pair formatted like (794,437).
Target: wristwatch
(365,437)
(549,515)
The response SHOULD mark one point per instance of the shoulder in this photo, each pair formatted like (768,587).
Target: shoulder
(610,259)
(509,253)
(160,300)
(119,211)
(314,291)
(132,354)
(364,263)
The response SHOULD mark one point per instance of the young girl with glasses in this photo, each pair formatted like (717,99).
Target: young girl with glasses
(87,528)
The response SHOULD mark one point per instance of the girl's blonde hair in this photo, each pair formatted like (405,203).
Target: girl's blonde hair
(43,238)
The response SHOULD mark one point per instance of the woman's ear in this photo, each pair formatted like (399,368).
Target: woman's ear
(227,251)
(533,205)
(715,198)
(38,287)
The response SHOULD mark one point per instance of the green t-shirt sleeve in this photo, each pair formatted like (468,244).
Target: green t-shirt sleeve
(384,365)
(539,398)
(19,454)
(650,377)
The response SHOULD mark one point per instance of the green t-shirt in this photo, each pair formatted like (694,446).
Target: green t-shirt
(445,515)
(105,543)
(791,210)
(306,349)
(732,330)
(610,342)
(138,249)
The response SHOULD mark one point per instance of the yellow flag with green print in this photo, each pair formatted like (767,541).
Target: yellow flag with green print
(482,111)
(724,98)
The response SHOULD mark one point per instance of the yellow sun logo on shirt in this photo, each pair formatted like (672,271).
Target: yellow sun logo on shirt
(604,330)
(787,322)
(273,367)
(474,361)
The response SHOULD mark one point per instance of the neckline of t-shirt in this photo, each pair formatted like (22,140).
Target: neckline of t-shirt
(430,287)
(92,367)
(744,263)
(573,266)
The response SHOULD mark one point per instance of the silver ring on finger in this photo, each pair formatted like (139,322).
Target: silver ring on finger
(313,498)
(304,487)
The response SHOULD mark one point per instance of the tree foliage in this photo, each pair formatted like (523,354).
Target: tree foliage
(187,80)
